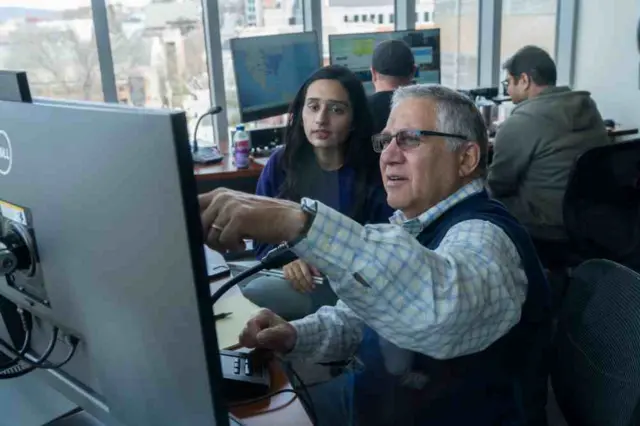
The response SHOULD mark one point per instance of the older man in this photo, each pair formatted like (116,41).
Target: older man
(446,307)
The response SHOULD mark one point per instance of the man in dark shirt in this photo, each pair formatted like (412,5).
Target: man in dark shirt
(392,66)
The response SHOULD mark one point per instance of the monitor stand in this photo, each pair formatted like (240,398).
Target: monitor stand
(75,417)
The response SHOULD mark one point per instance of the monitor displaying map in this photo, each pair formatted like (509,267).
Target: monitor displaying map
(270,70)
(355,52)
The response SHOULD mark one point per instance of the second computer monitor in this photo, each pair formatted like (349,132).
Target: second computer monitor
(270,70)
(355,52)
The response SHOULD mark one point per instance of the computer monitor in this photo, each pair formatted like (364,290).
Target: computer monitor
(119,259)
(269,71)
(355,52)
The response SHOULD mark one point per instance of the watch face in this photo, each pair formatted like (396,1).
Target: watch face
(309,205)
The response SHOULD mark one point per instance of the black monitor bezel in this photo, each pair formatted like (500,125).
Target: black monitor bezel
(271,111)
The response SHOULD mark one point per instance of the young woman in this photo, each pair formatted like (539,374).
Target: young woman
(327,156)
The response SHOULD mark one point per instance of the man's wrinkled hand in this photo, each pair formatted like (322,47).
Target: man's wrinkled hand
(300,275)
(229,217)
(267,330)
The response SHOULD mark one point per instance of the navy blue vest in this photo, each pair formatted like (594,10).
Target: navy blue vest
(503,385)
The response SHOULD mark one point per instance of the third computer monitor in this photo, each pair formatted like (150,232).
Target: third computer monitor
(270,70)
(355,52)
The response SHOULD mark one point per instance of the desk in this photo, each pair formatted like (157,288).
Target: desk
(226,170)
(293,414)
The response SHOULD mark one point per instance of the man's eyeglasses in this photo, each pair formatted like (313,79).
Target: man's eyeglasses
(407,139)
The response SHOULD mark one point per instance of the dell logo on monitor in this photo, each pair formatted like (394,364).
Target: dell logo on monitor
(5,153)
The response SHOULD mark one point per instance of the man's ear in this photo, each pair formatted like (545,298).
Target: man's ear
(469,159)
(374,75)
(525,79)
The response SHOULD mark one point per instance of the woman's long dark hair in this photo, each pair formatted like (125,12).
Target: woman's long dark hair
(358,153)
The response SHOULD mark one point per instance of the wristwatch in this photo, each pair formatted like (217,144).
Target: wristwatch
(310,208)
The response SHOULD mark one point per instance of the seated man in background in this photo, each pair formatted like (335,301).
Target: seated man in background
(392,66)
(446,307)
(536,146)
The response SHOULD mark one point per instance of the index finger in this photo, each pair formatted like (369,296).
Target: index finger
(257,323)
(204,200)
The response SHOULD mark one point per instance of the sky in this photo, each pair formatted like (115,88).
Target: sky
(62,4)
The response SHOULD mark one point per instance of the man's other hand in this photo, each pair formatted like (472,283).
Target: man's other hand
(229,217)
(267,330)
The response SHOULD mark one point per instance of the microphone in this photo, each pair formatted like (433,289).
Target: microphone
(211,111)
(273,257)
(207,154)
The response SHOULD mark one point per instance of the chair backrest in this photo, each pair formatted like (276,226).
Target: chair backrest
(595,366)
(602,204)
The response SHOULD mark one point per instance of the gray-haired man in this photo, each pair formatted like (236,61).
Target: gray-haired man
(446,307)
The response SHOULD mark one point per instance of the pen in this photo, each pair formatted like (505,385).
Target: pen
(222,315)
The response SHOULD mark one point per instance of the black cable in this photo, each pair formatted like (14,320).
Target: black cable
(25,345)
(73,341)
(21,371)
(308,404)
(264,397)
(39,362)
(266,262)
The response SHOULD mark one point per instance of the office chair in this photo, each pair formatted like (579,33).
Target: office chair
(595,364)
(602,204)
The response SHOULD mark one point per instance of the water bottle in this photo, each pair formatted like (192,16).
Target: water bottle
(241,147)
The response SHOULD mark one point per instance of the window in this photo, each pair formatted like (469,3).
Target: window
(527,22)
(159,57)
(391,18)
(426,16)
(57,49)
(346,18)
(270,18)
(458,23)
(333,10)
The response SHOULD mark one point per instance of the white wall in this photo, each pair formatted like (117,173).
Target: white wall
(607,58)
(607,61)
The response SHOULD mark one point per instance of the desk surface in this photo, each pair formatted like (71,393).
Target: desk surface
(292,412)
(227,170)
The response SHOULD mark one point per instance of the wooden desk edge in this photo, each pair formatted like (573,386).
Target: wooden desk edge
(226,170)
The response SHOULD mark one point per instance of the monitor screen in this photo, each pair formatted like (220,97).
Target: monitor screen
(270,70)
(355,52)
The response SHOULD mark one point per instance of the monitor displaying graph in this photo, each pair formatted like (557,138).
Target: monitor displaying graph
(355,52)
(270,70)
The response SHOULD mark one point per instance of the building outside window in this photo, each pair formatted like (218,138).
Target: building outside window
(55,45)
(458,23)
(526,22)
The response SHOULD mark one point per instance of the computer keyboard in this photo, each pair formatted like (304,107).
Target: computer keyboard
(205,155)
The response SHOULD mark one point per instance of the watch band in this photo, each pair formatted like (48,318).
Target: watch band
(310,208)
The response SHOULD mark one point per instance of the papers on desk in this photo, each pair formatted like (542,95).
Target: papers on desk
(228,329)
